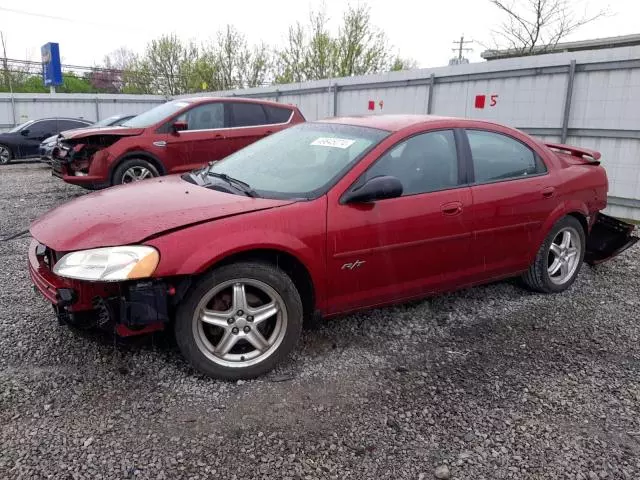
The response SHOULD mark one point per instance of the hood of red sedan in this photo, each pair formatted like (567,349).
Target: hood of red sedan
(88,132)
(129,214)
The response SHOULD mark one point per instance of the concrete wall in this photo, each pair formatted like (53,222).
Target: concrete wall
(593,103)
(31,106)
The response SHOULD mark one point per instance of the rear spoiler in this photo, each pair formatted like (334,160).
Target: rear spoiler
(592,155)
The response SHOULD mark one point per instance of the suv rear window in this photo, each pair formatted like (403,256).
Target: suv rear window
(277,114)
(247,114)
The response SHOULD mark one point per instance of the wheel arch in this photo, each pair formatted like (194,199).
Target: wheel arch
(284,260)
(577,210)
(142,154)
(9,146)
(582,218)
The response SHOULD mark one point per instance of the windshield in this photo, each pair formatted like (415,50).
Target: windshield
(156,114)
(299,162)
(17,128)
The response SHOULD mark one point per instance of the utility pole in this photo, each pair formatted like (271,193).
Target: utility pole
(7,77)
(461,46)
(459,50)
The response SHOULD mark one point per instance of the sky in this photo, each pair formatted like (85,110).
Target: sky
(424,30)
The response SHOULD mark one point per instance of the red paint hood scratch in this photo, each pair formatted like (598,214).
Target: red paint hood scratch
(131,213)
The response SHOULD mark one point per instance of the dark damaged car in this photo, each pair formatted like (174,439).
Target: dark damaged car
(319,220)
(174,137)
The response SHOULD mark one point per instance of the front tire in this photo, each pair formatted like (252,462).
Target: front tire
(5,155)
(134,170)
(239,321)
(559,258)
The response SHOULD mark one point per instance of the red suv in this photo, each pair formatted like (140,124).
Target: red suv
(174,137)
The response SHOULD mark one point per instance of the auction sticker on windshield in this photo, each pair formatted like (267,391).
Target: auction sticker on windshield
(333,142)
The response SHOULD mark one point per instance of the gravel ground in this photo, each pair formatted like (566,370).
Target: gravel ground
(488,383)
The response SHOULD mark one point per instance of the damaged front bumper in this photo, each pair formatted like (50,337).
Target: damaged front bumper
(608,238)
(76,166)
(61,169)
(129,308)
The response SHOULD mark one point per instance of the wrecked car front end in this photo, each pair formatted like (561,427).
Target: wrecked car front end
(128,308)
(84,159)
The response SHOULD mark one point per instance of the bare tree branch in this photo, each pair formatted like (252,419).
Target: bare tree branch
(537,26)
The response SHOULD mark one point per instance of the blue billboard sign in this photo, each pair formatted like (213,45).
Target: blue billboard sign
(51,68)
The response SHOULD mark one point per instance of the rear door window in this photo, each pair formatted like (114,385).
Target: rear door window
(499,157)
(247,115)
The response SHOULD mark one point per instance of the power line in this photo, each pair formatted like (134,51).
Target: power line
(114,71)
(32,14)
(461,46)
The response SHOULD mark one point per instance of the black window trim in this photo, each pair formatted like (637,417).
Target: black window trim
(228,115)
(266,115)
(469,158)
(232,114)
(463,173)
(279,107)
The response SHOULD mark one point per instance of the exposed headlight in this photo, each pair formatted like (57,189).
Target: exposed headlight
(109,264)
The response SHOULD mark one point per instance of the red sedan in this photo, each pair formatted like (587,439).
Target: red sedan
(319,220)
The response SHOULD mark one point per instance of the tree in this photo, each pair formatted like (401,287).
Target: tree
(170,62)
(290,61)
(536,26)
(400,63)
(256,65)
(228,49)
(14,72)
(361,47)
(73,83)
(312,52)
(321,53)
(119,73)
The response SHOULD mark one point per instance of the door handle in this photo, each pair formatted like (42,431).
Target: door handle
(548,192)
(218,135)
(451,208)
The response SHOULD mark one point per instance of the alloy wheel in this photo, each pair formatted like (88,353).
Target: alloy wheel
(5,156)
(564,255)
(240,323)
(135,174)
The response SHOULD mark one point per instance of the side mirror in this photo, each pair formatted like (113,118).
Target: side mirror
(377,188)
(179,126)
(24,132)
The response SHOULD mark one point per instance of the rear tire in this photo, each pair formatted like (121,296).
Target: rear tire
(134,170)
(5,155)
(239,321)
(559,258)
